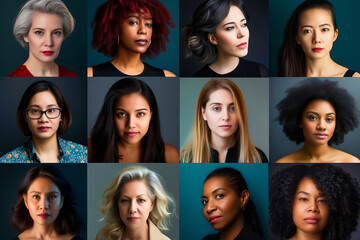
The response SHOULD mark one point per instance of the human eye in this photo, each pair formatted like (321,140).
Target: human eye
(322,200)
(51,110)
(149,25)
(34,111)
(38,32)
(303,199)
(216,108)
(57,33)
(244,24)
(35,196)
(140,114)
(140,200)
(133,22)
(229,28)
(124,201)
(121,114)
(329,119)
(204,202)
(312,117)
(306,31)
(52,197)
(232,108)
(219,196)
(325,29)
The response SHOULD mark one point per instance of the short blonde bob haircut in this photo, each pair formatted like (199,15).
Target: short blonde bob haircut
(24,19)
(163,204)
(197,147)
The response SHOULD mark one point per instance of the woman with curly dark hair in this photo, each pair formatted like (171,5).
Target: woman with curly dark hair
(318,113)
(318,201)
(228,207)
(44,208)
(129,30)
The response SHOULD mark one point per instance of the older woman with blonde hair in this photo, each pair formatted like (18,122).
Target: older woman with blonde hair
(220,129)
(136,205)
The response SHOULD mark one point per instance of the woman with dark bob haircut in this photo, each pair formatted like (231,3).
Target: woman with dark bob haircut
(308,40)
(129,30)
(318,201)
(43,114)
(40,27)
(219,29)
(228,207)
(127,128)
(318,113)
(45,202)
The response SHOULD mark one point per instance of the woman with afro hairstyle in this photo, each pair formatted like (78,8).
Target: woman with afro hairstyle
(318,113)
(128,31)
(318,201)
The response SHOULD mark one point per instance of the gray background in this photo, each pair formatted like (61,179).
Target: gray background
(351,168)
(166,91)
(280,145)
(100,176)
(11,91)
(256,95)
(11,176)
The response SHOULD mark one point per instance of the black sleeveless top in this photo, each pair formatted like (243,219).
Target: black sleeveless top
(349,73)
(108,70)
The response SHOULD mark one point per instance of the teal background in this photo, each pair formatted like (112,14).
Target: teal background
(193,224)
(168,60)
(346,48)
(73,50)
(256,95)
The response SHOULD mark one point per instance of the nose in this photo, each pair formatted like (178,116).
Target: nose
(240,32)
(316,37)
(131,121)
(44,204)
(313,207)
(142,28)
(226,114)
(210,206)
(133,207)
(43,118)
(321,125)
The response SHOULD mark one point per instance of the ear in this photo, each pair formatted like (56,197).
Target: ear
(152,206)
(26,38)
(212,38)
(297,40)
(203,113)
(244,198)
(336,34)
(25,200)
(62,202)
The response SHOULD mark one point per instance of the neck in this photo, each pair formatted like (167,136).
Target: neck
(43,231)
(130,152)
(306,236)
(221,145)
(224,63)
(322,67)
(41,69)
(315,153)
(140,233)
(230,232)
(128,62)
(47,149)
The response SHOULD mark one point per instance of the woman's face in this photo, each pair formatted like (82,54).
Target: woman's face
(132,117)
(310,210)
(222,205)
(45,37)
(43,200)
(134,204)
(220,114)
(316,32)
(318,122)
(136,31)
(44,127)
(232,34)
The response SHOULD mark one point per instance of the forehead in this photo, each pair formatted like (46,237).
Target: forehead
(135,188)
(308,185)
(221,96)
(214,183)
(46,20)
(132,101)
(142,12)
(44,97)
(43,184)
(320,105)
(234,15)
(315,16)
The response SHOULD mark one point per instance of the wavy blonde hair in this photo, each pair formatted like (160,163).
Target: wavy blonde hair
(197,147)
(163,204)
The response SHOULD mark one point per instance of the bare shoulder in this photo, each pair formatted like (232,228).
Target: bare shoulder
(90,72)
(169,74)
(291,158)
(356,74)
(171,154)
(343,157)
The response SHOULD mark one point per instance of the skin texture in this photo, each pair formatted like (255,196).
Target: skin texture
(310,210)
(231,39)
(223,207)
(46,34)
(135,206)
(43,101)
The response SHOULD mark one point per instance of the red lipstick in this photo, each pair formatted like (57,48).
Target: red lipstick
(43,215)
(44,129)
(317,49)
(48,53)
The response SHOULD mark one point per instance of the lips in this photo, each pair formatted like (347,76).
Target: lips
(131,134)
(141,42)
(48,53)
(242,45)
(43,129)
(311,220)
(317,49)
(132,219)
(321,135)
(214,219)
(43,215)
(225,127)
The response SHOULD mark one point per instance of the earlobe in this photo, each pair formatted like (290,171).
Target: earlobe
(245,195)
(297,40)
(26,39)
(203,113)
(212,38)
(336,34)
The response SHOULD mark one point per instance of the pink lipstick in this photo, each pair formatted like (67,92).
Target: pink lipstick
(242,45)
(131,134)
(214,219)
(225,127)
(133,219)
(48,53)
(312,220)
(43,215)
(43,129)
(321,135)
(317,49)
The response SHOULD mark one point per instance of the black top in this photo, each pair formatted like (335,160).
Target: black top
(76,237)
(107,69)
(247,233)
(232,155)
(349,73)
(245,68)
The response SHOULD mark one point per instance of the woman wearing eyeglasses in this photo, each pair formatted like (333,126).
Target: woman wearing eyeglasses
(43,113)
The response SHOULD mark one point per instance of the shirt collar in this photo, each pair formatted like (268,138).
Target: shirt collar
(33,157)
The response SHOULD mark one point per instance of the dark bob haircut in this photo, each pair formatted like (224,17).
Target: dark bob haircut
(236,181)
(291,57)
(340,189)
(67,220)
(35,88)
(292,106)
(110,16)
(206,18)
(104,138)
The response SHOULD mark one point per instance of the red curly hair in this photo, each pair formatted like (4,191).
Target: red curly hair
(110,15)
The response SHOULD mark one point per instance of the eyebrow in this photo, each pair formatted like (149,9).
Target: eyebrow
(138,17)
(216,190)
(321,194)
(137,110)
(216,103)
(50,105)
(244,19)
(57,29)
(331,113)
(36,192)
(322,25)
(140,195)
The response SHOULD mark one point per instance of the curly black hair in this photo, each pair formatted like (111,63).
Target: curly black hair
(340,188)
(292,106)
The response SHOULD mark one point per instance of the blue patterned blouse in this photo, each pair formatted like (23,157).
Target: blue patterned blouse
(70,152)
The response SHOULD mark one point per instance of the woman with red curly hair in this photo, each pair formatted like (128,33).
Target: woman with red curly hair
(128,31)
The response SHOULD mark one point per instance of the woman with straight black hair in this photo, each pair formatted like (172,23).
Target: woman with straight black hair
(128,127)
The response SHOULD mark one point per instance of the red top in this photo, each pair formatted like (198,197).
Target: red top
(22,71)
